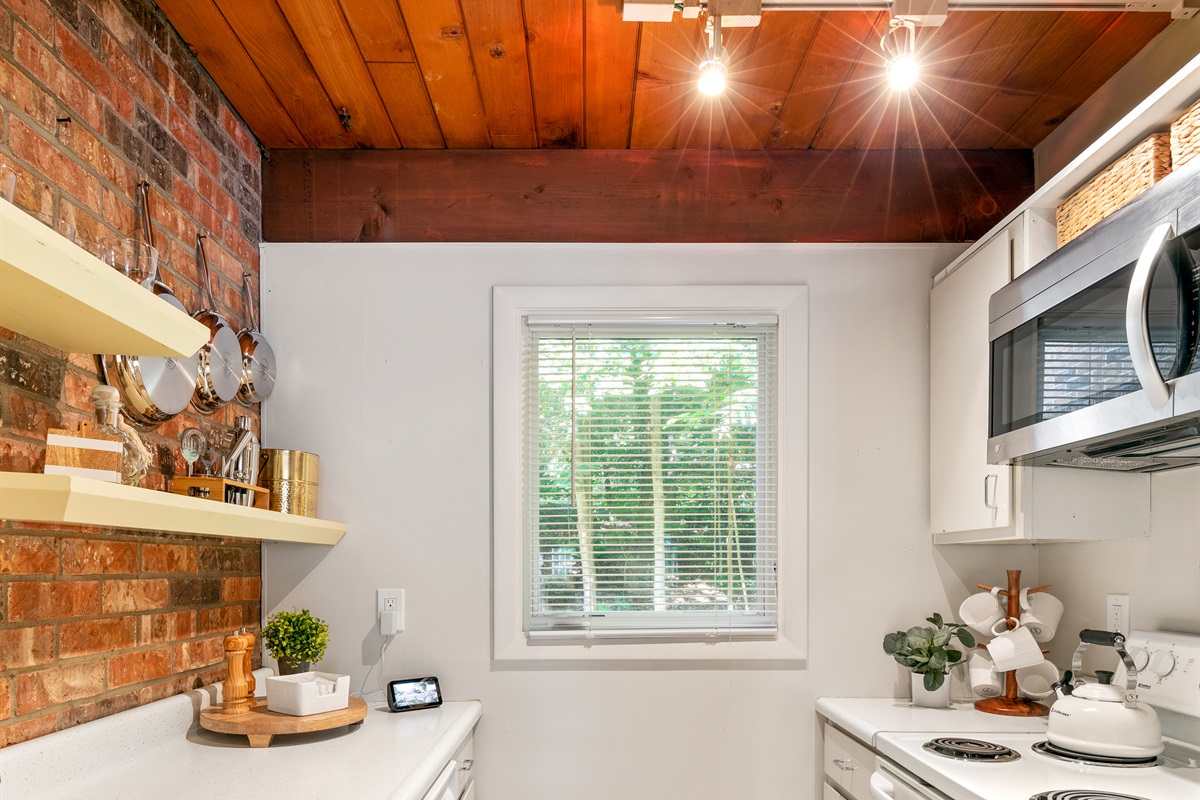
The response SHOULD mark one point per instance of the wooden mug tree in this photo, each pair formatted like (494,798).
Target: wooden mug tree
(1010,703)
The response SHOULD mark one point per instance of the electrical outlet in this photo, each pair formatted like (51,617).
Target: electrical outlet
(389,607)
(1118,613)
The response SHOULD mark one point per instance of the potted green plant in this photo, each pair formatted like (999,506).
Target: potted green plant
(928,652)
(295,639)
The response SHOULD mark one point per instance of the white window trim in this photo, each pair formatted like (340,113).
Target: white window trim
(510,305)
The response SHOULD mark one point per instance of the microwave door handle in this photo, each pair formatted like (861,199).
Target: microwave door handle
(1137,320)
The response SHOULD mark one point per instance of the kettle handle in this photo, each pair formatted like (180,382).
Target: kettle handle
(1115,640)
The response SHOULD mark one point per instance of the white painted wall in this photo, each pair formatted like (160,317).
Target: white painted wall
(384,370)
(1160,574)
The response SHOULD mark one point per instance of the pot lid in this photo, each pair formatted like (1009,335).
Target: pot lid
(1106,693)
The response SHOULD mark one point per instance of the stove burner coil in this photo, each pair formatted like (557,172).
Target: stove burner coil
(1053,751)
(971,750)
(1083,794)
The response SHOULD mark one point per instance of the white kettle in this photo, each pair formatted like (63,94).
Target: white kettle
(1100,719)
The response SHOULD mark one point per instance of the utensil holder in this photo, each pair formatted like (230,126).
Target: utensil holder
(218,489)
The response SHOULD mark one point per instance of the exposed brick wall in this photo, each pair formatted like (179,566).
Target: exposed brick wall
(94,95)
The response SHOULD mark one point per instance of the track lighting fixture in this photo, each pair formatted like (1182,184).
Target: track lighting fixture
(713,69)
(899,49)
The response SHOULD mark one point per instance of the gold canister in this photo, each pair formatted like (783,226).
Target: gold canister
(291,476)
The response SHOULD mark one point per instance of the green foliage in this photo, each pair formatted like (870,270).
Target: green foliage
(926,651)
(296,636)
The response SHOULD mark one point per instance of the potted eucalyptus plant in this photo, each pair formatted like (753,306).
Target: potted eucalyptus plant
(295,639)
(928,652)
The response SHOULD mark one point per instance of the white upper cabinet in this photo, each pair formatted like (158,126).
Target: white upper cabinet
(967,493)
(971,500)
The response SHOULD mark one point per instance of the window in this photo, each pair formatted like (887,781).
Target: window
(650,500)
(642,437)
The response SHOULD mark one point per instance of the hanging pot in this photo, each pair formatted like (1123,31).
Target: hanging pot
(219,367)
(154,388)
(258,359)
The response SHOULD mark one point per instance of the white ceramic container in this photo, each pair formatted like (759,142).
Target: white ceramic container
(302,694)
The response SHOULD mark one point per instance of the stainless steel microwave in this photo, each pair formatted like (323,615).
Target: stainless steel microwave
(1095,351)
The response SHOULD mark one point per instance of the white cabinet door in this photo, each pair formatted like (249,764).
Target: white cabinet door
(966,493)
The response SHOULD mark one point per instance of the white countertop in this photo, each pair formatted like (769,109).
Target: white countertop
(159,751)
(864,717)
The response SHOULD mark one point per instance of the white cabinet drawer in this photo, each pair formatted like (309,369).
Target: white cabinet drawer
(848,764)
(465,758)
(830,793)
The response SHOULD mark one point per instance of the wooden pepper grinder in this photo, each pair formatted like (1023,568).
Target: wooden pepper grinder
(237,647)
(248,668)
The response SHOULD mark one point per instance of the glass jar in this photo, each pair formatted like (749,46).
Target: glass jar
(135,461)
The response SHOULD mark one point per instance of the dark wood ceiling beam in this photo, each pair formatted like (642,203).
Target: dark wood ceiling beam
(641,196)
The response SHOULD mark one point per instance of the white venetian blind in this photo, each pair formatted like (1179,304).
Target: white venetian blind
(651,477)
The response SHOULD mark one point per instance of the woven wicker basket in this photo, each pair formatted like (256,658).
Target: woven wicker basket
(1185,137)
(1120,182)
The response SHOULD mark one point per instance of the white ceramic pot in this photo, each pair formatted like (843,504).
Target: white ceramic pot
(940,698)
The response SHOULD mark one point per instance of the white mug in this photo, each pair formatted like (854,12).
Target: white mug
(980,611)
(985,681)
(1040,613)
(1013,649)
(1035,682)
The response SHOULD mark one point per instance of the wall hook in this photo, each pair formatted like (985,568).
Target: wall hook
(344,116)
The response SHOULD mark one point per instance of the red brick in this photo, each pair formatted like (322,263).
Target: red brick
(95,74)
(177,684)
(183,130)
(168,558)
(70,177)
(79,713)
(36,14)
(96,636)
(226,619)
(98,557)
(49,687)
(27,555)
(136,595)
(22,457)
(77,390)
(129,74)
(22,730)
(26,647)
(204,653)
(145,665)
(5,699)
(30,417)
(238,589)
(119,212)
(168,627)
(27,96)
(239,135)
(201,211)
(66,86)
(28,601)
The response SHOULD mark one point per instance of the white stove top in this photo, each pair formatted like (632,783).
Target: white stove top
(1178,779)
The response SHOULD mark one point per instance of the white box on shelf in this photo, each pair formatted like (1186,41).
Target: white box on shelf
(308,693)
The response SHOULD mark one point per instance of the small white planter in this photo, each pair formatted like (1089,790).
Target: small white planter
(927,699)
(301,694)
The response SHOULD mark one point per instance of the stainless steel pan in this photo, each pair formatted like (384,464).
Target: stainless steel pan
(154,388)
(258,359)
(219,370)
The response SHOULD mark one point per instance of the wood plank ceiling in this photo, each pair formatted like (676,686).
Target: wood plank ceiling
(513,75)
(431,74)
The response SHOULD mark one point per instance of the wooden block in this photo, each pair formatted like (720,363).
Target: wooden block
(215,489)
(84,454)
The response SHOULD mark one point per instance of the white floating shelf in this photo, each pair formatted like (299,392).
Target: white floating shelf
(58,293)
(34,497)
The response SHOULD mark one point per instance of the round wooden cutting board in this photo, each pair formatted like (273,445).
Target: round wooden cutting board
(259,725)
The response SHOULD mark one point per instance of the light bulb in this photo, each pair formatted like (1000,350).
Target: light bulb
(902,71)
(712,78)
